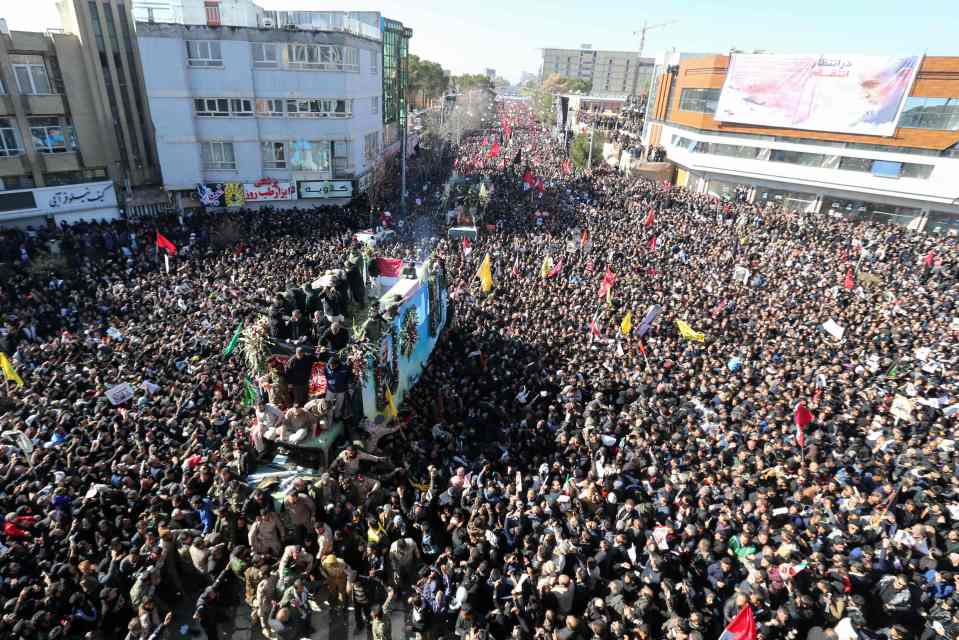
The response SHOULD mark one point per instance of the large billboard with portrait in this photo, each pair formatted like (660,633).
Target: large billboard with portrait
(836,93)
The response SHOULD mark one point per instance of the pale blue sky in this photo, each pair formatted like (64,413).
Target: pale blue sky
(506,34)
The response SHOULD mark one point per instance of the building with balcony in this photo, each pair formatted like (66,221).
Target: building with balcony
(52,160)
(307,101)
(908,177)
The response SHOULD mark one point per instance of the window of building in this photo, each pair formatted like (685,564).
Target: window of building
(212,13)
(375,105)
(374,62)
(265,55)
(371,147)
(204,53)
(211,107)
(699,100)
(855,164)
(916,171)
(274,155)
(3,88)
(241,107)
(312,156)
(223,107)
(886,168)
(51,135)
(319,108)
(322,56)
(9,139)
(798,157)
(218,156)
(342,160)
(269,108)
(940,114)
(32,79)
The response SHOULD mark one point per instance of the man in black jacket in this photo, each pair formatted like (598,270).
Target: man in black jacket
(298,370)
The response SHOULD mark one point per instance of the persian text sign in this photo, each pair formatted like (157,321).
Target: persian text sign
(842,94)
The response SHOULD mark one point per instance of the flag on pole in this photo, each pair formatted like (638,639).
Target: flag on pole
(391,411)
(652,243)
(555,270)
(689,333)
(483,194)
(467,247)
(8,371)
(651,314)
(594,331)
(234,341)
(650,218)
(494,150)
(567,166)
(609,279)
(485,140)
(164,243)
(540,185)
(515,272)
(627,324)
(642,348)
(485,275)
(546,267)
(849,282)
(518,159)
(742,627)
(803,418)
(583,238)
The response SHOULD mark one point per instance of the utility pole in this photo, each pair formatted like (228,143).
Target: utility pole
(589,162)
(642,45)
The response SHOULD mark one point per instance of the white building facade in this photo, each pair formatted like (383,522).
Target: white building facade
(252,114)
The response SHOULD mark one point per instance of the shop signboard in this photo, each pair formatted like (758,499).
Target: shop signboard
(325,188)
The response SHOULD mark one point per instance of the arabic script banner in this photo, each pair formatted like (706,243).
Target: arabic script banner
(90,195)
(842,94)
(269,191)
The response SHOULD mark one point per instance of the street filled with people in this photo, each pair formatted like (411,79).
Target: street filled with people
(666,412)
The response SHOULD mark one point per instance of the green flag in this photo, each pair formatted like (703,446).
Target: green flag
(249,393)
(235,340)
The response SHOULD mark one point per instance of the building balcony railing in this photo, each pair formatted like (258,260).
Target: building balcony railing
(356,23)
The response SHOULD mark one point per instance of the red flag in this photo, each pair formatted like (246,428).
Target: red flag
(567,167)
(650,218)
(540,185)
(742,627)
(930,258)
(494,150)
(583,238)
(803,418)
(609,279)
(642,348)
(485,140)
(515,271)
(652,243)
(389,267)
(589,266)
(556,269)
(593,327)
(466,246)
(849,282)
(528,177)
(164,243)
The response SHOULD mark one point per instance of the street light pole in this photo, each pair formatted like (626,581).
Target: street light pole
(592,129)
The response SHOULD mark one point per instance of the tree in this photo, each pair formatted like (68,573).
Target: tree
(543,95)
(469,81)
(426,81)
(579,150)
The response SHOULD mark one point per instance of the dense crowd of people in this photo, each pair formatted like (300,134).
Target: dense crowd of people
(557,473)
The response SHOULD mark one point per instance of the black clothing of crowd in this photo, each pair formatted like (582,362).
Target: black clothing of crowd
(552,482)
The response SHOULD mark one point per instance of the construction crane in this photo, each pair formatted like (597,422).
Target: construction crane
(646,27)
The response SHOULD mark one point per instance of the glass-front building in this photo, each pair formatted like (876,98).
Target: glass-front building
(396,39)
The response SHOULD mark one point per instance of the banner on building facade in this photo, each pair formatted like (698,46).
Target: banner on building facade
(76,196)
(211,195)
(836,93)
(269,190)
(325,188)
(233,194)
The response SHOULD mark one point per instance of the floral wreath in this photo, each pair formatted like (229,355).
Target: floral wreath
(409,331)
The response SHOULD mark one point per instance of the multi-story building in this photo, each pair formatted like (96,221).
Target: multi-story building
(53,164)
(619,73)
(111,66)
(248,103)
(908,173)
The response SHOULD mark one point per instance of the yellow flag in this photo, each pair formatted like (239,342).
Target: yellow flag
(482,192)
(391,411)
(8,371)
(485,275)
(689,333)
(627,324)
(547,267)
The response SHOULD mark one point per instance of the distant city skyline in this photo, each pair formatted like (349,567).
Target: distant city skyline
(509,36)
